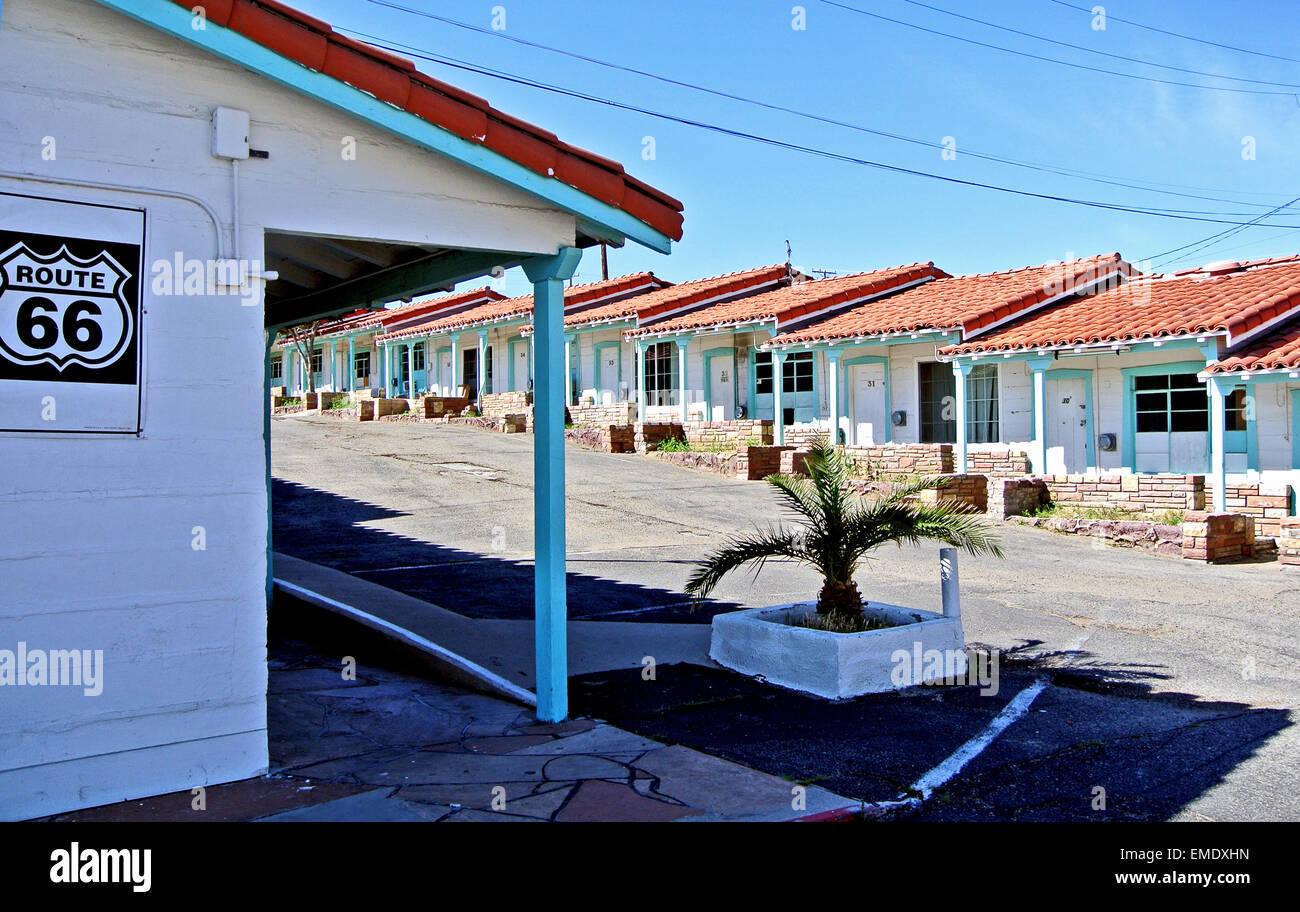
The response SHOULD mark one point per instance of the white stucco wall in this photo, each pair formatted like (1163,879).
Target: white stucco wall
(97,534)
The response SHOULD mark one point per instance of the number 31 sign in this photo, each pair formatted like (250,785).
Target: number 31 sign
(69,316)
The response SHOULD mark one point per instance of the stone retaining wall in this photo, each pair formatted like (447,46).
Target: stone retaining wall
(1268,507)
(1288,544)
(970,491)
(726,435)
(1015,496)
(648,436)
(498,405)
(1218,537)
(730,465)
(438,406)
(1138,493)
(997,462)
(601,416)
(1155,537)
(903,458)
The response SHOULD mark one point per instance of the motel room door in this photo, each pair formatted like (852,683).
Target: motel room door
(869,404)
(1171,424)
(444,374)
(722,389)
(1066,423)
(519,367)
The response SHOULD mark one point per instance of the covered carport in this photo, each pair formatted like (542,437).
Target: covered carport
(305,175)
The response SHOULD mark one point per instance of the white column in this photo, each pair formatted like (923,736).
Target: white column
(333,381)
(1040,425)
(1218,392)
(778,392)
(960,371)
(352,364)
(482,363)
(833,393)
(639,348)
(455,364)
(568,370)
(683,391)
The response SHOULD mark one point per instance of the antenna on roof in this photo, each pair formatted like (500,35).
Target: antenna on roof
(824,273)
(789,266)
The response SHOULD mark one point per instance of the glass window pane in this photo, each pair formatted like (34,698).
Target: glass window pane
(1153,382)
(1150,422)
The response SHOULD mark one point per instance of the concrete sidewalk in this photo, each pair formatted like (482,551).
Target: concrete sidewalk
(504,648)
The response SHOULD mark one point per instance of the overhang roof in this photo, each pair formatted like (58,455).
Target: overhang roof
(395,80)
(670,308)
(1278,350)
(1228,299)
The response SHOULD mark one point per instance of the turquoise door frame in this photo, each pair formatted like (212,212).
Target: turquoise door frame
(598,367)
(528,372)
(709,354)
(868,359)
(1060,373)
(1128,451)
(1295,429)
(787,398)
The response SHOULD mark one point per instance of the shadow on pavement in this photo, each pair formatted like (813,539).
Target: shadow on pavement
(1151,753)
(329,529)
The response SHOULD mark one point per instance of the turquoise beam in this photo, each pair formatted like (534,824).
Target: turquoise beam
(548,275)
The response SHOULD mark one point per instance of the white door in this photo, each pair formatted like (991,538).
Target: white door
(869,404)
(722,387)
(1066,420)
(519,368)
(444,373)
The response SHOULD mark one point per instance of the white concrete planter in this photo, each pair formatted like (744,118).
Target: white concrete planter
(761,641)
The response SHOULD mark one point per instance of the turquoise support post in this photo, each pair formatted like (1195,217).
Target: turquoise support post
(684,391)
(548,275)
(455,364)
(1218,392)
(482,364)
(778,396)
(961,370)
(352,364)
(640,381)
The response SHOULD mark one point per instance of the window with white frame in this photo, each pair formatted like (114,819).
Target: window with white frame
(318,361)
(982,404)
(277,368)
(361,364)
(661,374)
(417,357)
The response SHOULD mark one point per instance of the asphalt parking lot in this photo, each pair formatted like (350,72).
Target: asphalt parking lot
(1173,684)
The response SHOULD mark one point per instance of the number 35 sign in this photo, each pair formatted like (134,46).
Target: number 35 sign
(70,291)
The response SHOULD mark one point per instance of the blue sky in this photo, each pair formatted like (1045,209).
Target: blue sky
(744,200)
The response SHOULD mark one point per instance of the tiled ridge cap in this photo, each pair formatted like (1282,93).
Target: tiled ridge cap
(395,80)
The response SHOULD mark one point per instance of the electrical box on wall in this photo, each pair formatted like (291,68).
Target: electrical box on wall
(1107,442)
(899,418)
(229,133)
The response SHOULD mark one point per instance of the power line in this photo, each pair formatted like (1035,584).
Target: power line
(1057,61)
(1081,47)
(1182,214)
(1172,34)
(1095,177)
(1214,239)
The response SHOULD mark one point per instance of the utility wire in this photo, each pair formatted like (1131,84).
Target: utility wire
(1217,238)
(1172,34)
(1057,61)
(1182,214)
(1062,171)
(1085,48)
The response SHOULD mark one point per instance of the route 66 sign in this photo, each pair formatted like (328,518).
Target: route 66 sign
(70,308)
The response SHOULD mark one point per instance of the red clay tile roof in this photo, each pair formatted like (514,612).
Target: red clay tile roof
(798,301)
(509,308)
(1277,350)
(385,317)
(663,310)
(676,297)
(961,302)
(1222,302)
(393,79)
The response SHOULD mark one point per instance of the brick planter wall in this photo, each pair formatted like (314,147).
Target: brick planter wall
(383,408)
(971,491)
(763,461)
(997,462)
(1218,537)
(1015,496)
(1288,543)
(1125,533)
(1269,507)
(1139,493)
(905,458)
(310,400)
(498,405)
(729,434)
(648,436)
(614,438)
(438,406)
(600,416)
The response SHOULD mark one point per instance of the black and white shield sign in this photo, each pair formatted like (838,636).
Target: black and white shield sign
(62,310)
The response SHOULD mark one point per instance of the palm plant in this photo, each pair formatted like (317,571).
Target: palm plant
(839,527)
